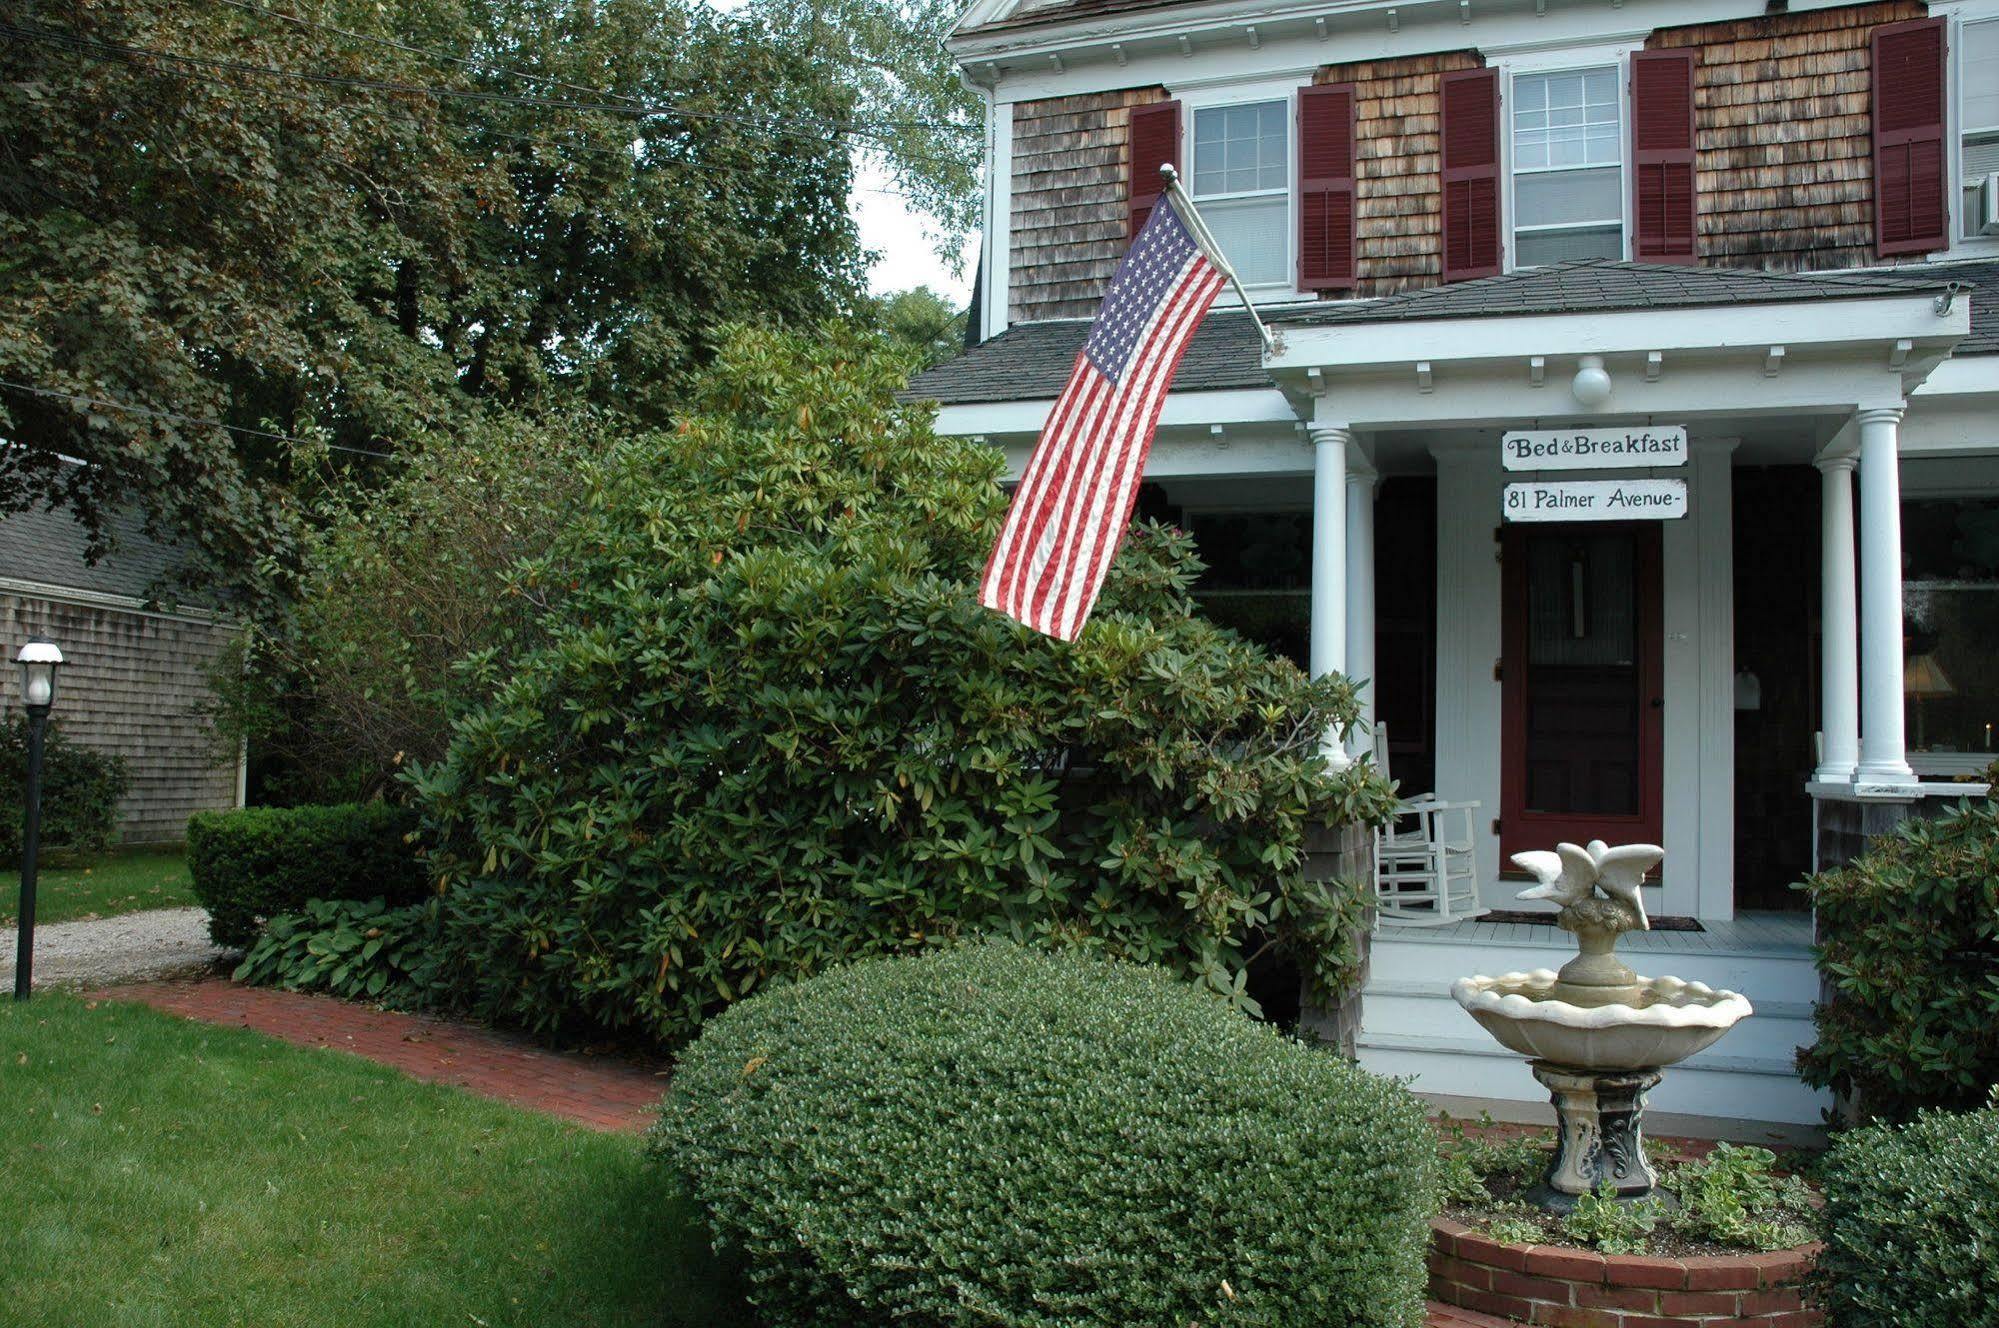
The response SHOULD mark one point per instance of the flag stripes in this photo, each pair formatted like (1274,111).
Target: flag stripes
(1075,496)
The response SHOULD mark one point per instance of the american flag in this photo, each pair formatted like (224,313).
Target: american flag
(1074,499)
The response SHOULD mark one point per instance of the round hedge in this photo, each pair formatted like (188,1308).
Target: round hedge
(991,1135)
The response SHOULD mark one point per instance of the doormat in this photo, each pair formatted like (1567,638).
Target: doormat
(1548,920)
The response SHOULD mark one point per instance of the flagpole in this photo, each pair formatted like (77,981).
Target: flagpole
(1206,239)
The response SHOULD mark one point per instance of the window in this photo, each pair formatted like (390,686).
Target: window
(1568,166)
(1978,76)
(1242,178)
(1950,611)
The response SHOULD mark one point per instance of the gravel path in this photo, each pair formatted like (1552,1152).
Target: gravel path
(126,948)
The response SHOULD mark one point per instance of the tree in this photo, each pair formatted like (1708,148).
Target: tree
(239,245)
(763,726)
(924,323)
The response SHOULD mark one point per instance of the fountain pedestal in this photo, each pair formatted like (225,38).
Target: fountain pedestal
(1600,1139)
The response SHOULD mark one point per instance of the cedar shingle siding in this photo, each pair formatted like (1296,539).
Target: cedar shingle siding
(1399,241)
(1069,200)
(134,684)
(1784,169)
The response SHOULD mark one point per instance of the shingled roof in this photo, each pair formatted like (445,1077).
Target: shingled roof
(47,548)
(1598,285)
(1031,361)
(1028,14)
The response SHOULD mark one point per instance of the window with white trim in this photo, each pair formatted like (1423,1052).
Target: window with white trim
(1568,166)
(1978,114)
(1242,179)
(1950,632)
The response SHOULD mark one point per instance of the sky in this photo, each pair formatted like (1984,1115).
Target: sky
(903,255)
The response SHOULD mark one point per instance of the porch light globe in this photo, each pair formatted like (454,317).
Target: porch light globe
(1592,382)
(39,659)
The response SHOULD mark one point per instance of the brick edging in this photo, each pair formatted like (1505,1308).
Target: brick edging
(1571,1288)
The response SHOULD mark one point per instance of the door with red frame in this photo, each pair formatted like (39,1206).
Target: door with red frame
(1581,680)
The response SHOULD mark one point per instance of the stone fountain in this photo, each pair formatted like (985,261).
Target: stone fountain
(1598,1035)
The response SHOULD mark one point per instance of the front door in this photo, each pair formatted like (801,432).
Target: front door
(1580,685)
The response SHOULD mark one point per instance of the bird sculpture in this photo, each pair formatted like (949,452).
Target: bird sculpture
(1567,876)
(1620,871)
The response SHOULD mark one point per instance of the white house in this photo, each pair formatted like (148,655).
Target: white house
(1632,428)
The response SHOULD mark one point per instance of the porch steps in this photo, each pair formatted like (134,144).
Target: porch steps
(1410,1026)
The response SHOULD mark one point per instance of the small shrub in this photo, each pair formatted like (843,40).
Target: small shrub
(80,792)
(360,949)
(1910,946)
(1733,1197)
(992,1136)
(1911,1223)
(258,862)
(1516,1229)
(1613,1225)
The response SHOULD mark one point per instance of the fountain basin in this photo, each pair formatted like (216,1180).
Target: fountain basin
(1670,1020)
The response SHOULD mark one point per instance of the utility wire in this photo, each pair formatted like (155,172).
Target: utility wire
(131,409)
(831,128)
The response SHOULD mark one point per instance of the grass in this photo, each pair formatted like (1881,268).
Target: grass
(161,1172)
(100,885)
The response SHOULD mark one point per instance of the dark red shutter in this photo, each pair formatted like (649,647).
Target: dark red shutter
(1662,156)
(1471,173)
(1154,141)
(1909,157)
(1325,187)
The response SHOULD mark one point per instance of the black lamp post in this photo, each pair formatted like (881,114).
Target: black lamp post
(39,660)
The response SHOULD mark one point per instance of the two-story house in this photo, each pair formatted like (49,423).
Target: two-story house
(1725,272)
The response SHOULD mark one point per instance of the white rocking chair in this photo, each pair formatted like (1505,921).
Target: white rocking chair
(1426,861)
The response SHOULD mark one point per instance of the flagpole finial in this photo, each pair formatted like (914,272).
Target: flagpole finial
(1170,175)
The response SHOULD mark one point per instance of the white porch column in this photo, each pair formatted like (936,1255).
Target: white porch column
(1329,536)
(1839,663)
(1361,482)
(1883,759)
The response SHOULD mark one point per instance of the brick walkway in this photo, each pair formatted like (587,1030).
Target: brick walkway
(600,1092)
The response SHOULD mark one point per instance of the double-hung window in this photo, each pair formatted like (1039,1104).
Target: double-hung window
(1568,166)
(1978,78)
(1242,180)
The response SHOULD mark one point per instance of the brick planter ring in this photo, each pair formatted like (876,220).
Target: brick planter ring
(1566,1288)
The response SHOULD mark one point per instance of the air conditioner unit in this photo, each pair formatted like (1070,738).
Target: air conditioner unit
(1988,205)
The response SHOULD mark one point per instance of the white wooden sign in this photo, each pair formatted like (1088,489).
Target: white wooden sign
(1595,500)
(1594,449)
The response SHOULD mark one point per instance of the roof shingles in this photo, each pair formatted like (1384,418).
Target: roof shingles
(1032,361)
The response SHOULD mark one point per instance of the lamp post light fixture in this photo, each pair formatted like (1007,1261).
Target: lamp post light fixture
(40,661)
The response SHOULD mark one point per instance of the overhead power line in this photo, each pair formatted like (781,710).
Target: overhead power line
(131,409)
(827,128)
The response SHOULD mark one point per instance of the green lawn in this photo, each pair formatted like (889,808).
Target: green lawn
(164,1172)
(101,885)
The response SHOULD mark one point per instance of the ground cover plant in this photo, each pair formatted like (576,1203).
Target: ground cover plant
(255,863)
(1730,1198)
(1012,1138)
(177,1175)
(1909,944)
(360,949)
(768,728)
(1911,1223)
(69,886)
(80,791)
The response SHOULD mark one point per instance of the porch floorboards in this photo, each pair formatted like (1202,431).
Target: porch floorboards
(1772,935)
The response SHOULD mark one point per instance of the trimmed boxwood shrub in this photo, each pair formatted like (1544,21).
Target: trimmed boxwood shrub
(1911,1223)
(254,863)
(1909,945)
(997,1136)
(80,792)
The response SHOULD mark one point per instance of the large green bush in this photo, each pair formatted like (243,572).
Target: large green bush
(1911,1223)
(1909,944)
(80,792)
(999,1137)
(770,729)
(255,863)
